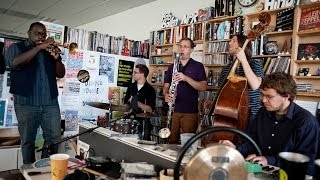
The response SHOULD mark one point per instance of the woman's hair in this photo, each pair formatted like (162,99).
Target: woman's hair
(248,50)
(281,82)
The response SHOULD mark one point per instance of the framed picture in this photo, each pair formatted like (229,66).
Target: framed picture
(309,19)
(308,51)
(3,112)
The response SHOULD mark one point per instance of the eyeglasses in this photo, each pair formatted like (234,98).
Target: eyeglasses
(37,33)
(183,46)
(268,97)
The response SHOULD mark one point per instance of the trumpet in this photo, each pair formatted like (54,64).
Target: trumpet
(54,47)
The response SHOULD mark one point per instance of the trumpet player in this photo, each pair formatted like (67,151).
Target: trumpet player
(33,84)
(191,78)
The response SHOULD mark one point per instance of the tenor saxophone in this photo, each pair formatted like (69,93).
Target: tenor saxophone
(165,132)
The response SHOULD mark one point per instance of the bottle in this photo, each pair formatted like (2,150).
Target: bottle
(159,79)
(210,77)
(153,78)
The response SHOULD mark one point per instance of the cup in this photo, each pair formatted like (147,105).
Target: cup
(317,163)
(293,166)
(59,165)
(167,174)
(184,138)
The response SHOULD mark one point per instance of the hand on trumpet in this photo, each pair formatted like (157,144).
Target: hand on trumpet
(51,46)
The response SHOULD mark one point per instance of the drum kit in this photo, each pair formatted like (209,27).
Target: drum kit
(125,124)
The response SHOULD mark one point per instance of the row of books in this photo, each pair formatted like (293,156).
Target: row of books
(223,30)
(280,64)
(193,31)
(94,41)
(304,87)
(218,47)
(222,59)
(161,37)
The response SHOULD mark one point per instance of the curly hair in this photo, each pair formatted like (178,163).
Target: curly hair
(282,82)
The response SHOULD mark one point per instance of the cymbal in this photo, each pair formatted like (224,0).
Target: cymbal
(144,115)
(214,161)
(107,106)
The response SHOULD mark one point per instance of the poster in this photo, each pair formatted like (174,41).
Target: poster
(125,73)
(106,67)
(56,31)
(310,19)
(3,112)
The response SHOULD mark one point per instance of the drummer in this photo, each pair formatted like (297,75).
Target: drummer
(141,97)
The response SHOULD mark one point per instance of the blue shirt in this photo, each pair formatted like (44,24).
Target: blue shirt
(187,96)
(298,132)
(254,95)
(41,90)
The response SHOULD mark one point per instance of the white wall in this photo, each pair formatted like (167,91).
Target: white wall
(137,23)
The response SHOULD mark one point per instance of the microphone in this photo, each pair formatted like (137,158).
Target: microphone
(50,146)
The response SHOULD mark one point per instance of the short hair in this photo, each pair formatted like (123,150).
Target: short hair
(36,24)
(282,82)
(241,40)
(192,45)
(143,69)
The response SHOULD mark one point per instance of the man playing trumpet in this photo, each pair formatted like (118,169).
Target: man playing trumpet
(33,83)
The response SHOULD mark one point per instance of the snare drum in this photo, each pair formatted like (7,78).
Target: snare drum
(123,126)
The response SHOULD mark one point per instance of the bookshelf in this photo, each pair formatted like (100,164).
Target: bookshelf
(306,36)
(287,41)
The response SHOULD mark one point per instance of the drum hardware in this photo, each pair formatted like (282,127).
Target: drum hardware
(108,106)
(145,115)
(217,161)
(50,146)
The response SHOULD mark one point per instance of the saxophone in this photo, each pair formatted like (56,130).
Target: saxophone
(165,132)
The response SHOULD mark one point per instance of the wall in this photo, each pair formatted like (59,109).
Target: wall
(137,23)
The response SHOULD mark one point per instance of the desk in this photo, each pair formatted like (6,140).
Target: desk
(120,147)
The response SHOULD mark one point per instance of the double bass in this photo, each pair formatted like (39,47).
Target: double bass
(230,107)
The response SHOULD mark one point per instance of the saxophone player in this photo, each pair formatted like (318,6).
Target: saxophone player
(33,84)
(191,78)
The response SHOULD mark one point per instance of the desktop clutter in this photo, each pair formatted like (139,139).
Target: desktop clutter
(215,161)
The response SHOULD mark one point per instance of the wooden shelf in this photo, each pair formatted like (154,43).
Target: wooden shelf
(273,11)
(307,77)
(165,64)
(198,42)
(209,53)
(158,55)
(162,45)
(157,84)
(272,55)
(220,19)
(307,61)
(309,32)
(212,88)
(309,94)
(215,41)
(215,65)
(278,32)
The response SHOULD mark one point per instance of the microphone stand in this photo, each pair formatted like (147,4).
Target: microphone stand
(50,146)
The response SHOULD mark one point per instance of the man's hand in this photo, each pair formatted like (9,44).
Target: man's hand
(257,159)
(179,76)
(168,98)
(227,143)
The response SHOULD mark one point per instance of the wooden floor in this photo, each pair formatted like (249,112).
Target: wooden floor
(14,174)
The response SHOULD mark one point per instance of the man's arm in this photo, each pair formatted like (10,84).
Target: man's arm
(26,57)
(127,98)
(60,69)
